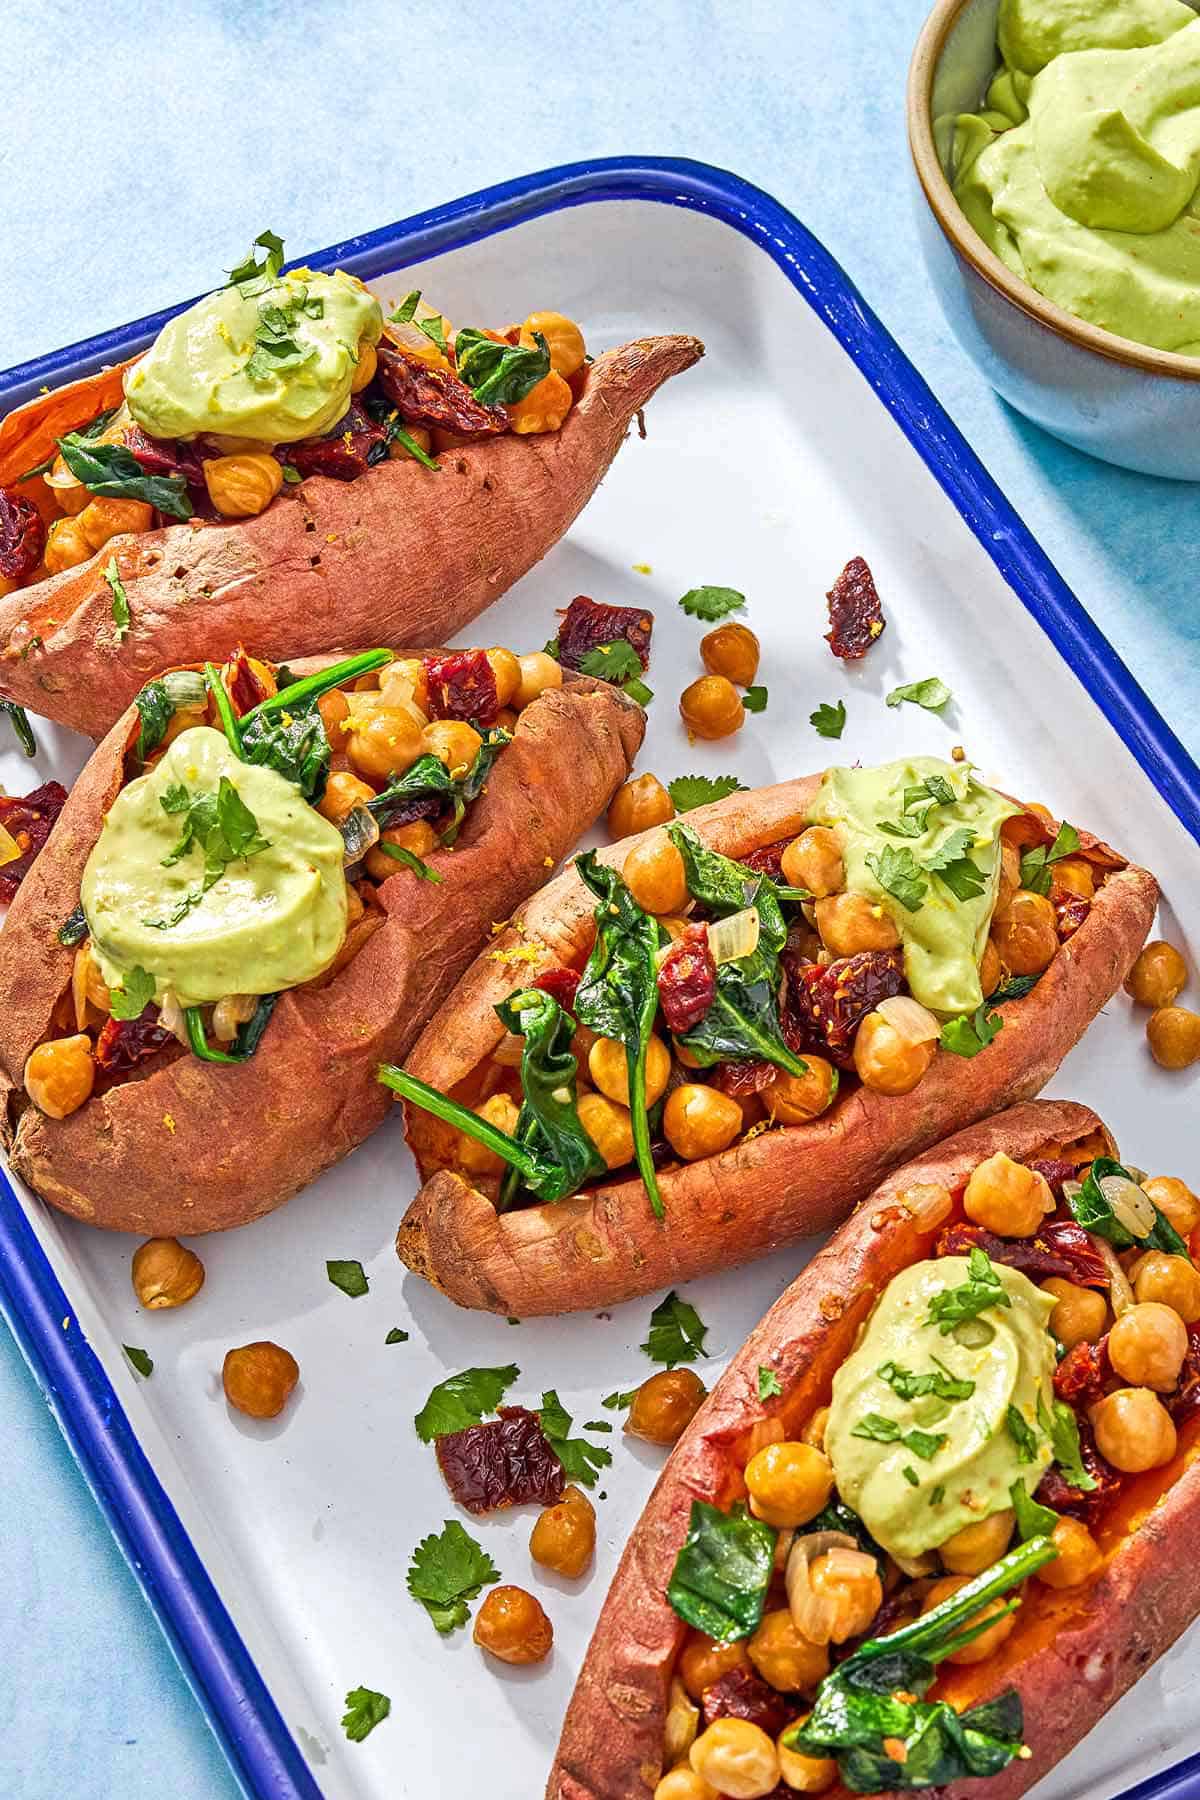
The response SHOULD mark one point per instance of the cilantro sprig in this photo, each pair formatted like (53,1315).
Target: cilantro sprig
(972,1032)
(932,694)
(581,1461)
(449,1570)
(712,603)
(619,663)
(829,721)
(690,791)
(982,1289)
(677,1332)
(1036,863)
(462,1400)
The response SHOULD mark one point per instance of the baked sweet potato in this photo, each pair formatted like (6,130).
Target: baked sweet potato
(770,1186)
(1072,1648)
(401,554)
(169,1143)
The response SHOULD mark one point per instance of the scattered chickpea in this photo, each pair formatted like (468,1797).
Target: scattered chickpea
(364,368)
(538,672)
(544,407)
(703,1660)
(700,1121)
(475,1158)
(784,1657)
(507,670)
(564,1536)
(991,969)
(60,1075)
(1171,1280)
(654,874)
(988,1641)
(1134,1431)
(1173,1034)
(241,486)
(1006,1197)
(731,650)
(384,741)
(804,1774)
(1073,875)
(737,1758)
(814,861)
(887,1063)
(609,1127)
(512,1626)
(334,709)
(608,1066)
(683,1783)
(795,1099)
(1079,1557)
(665,1405)
(851,922)
(1158,976)
(1147,1345)
(712,708)
(1026,933)
(788,1483)
(66,546)
(976,1547)
(165,1273)
(1079,1315)
(259,1378)
(563,338)
(814,1432)
(641,803)
(1176,1200)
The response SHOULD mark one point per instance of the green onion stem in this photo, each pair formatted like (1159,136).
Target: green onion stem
(313,686)
(216,687)
(419,1093)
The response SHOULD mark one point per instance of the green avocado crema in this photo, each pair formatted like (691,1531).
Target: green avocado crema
(273,920)
(194,377)
(970,1474)
(944,938)
(1081,172)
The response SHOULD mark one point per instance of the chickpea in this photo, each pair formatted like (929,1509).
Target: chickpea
(887,1063)
(507,671)
(1074,876)
(165,1273)
(538,672)
(1079,1315)
(804,1774)
(1005,1197)
(1010,876)
(737,1758)
(1158,976)
(609,1127)
(851,922)
(563,338)
(665,1405)
(452,742)
(795,1099)
(342,794)
(991,970)
(364,368)
(988,1641)
(472,1156)
(564,1536)
(419,837)
(850,1580)
(608,1067)
(814,861)
(1176,1200)
(1173,1034)
(654,874)
(334,709)
(512,1626)
(1134,1431)
(641,803)
(703,1660)
(814,1432)
(784,1657)
(60,1075)
(258,1379)
(731,650)
(1079,1557)
(544,407)
(1026,933)
(711,708)
(68,491)
(788,1483)
(700,1121)
(104,519)
(66,546)
(1147,1345)
(976,1547)
(684,1784)
(386,741)
(1171,1280)
(241,486)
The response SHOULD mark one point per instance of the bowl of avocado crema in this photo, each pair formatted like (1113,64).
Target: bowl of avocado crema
(1057,149)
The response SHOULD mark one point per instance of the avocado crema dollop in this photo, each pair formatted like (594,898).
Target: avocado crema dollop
(962,1455)
(202,373)
(275,918)
(943,936)
(1081,172)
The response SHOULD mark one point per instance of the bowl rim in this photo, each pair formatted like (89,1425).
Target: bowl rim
(966,241)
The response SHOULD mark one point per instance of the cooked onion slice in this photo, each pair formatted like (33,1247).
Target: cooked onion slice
(912,1022)
(814,1615)
(1131,1207)
(737,936)
(1120,1293)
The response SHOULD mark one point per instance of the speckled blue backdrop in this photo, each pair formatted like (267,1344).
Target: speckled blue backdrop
(143,144)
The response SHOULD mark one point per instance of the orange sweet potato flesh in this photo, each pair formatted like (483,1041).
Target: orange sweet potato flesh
(605,1245)
(400,555)
(191,1146)
(1072,1654)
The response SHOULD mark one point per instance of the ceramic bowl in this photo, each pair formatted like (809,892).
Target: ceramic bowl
(1136,407)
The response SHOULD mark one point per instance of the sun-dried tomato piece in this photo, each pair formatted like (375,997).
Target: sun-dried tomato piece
(463,686)
(1071,911)
(586,624)
(350,449)
(830,1003)
(561,984)
(1080,1376)
(166,456)
(687,979)
(1054,1170)
(504,1462)
(124,1043)
(434,397)
(1060,1248)
(1055,1491)
(22,535)
(243,686)
(855,612)
(742,1078)
(30,821)
(1184,1403)
(768,860)
(741,1694)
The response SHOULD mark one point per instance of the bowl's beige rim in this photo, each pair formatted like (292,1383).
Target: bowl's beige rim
(969,245)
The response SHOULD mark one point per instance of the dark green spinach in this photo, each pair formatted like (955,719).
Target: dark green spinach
(721,1575)
(111,472)
(19,721)
(1092,1210)
(249,1034)
(549,1118)
(499,374)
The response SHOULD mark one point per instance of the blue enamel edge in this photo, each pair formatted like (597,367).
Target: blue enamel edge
(263,1755)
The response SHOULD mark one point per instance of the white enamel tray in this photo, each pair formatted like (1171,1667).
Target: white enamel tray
(276,1553)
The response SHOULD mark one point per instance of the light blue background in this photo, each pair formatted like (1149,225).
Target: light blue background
(143,147)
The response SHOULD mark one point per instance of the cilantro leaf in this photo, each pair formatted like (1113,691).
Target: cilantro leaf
(221,825)
(950,861)
(581,1461)
(1036,863)
(463,1400)
(406,308)
(899,874)
(967,1036)
(932,694)
(141,1362)
(396,1336)
(349,1276)
(618,1401)
(611,662)
(907,1385)
(712,603)
(829,721)
(755,699)
(982,1288)
(434,328)
(1033,1519)
(253,277)
(1022,1435)
(130,1000)
(365,1709)
(676,1332)
(768,1383)
(447,1570)
(880,1430)
(1062,1428)
(688,791)
(120,600)
(935,790)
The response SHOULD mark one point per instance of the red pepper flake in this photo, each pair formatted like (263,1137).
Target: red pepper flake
(462,685)
(587,624)
(22,535)
(741,1694)
(830,1003)
(434,397)
(30,821)
(124,1043)
(504,1462)
(687,979)
(1060,1248)
(561,984)
(855,612)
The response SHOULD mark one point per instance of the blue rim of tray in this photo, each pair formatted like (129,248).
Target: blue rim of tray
(222,1674)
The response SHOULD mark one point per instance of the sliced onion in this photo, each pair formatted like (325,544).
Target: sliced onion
(172,1018)
(731,939)
(928,1204)
(1120,1293)
(360,833)
(681,1726)
(912,1022)
(1131,1207)
(814,1615)
(1071,1189)
(79,975)
(186,690)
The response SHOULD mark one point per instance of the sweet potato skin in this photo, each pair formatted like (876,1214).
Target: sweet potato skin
(611,1741)
(400,555)
(214,1147)
(605,1246)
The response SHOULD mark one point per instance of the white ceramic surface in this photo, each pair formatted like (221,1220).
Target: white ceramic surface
(766,468)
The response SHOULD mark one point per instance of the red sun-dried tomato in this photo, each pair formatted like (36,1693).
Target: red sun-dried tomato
(463,686)
(30,821)
(687,979)
(855,612)
(1060,1248)
(561,984)
(124,1043)
(504,1462)
(1054,1170)
(22,535)
(1071,910)
(1184,1403)
(1056,1492)
(434,397)
(742,1078)
(741,1694)
(830,1003)
(1080,1376)
(243,686)
(350,449)
(587,624)
(768,860)
(166,456)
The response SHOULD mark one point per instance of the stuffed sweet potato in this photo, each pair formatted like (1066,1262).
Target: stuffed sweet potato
(253,894)
(264,474)
(792,1024)
(954,1530)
